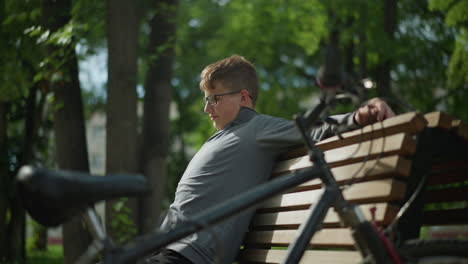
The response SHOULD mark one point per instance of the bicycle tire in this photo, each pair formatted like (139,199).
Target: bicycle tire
(435,251)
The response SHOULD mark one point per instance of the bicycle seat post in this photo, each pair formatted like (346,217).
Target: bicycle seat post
(100,240)
(94,224)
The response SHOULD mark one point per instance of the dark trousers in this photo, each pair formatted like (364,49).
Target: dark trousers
(167,256)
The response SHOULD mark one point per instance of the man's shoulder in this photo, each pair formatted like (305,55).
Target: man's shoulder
(262,122)
(269,118)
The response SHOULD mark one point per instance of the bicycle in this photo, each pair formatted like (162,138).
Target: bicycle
(51,197)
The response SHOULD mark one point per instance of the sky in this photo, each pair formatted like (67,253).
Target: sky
(93,70)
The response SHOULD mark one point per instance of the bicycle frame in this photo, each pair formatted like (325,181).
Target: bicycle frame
(149,243)
(368,241)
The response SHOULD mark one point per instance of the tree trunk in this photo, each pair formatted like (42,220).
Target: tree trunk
(158,93)
(69,128)
(362,54)
(41,234)
(363,42)
(349,56)
(16,232)
(384,67)
(30,126)
(3,184)
(71,150)
(33,122)
(16,225)
(4,175)
(349,49)
(18,217)
(121,127)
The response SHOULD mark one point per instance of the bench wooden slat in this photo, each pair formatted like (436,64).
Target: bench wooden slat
(453,194)
(448,172)
(384,214)
(339,237)
(387,167)
(410,123)
(452,177)
(310,256)
(445,217)
(369,169)
(398,144)
(365,192)
(439,119)
(402,144)
(449,164)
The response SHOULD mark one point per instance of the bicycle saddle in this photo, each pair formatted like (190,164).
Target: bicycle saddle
(52,197)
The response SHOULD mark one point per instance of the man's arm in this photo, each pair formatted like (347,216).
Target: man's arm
(374,110)
(279,134)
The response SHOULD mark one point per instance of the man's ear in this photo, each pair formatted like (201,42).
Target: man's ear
(245,99)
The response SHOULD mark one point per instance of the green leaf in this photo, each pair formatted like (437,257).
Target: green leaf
(439,4)
(458,13)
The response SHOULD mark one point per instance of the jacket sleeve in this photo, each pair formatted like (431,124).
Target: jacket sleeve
(279,135)
(326,130)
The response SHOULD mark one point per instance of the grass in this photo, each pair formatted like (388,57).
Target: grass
(53,255)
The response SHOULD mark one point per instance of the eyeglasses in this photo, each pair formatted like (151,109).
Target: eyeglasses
(213,99)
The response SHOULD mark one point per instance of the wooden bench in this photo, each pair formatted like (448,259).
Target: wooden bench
(379,167)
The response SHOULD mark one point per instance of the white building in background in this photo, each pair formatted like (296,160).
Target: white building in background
(96,139)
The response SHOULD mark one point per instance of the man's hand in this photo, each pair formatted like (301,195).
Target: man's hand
(374,110)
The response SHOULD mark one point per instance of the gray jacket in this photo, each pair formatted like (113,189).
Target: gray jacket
(231,161)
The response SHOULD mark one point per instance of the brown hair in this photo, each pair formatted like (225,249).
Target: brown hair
(234,72)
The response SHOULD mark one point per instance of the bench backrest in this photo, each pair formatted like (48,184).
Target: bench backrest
(377,168)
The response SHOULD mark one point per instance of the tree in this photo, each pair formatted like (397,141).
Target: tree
(280,38)
(457,71)
(158,94)
(71,150)
(19,121)
(3,182)
(121,126)
(35,103)
(384,67)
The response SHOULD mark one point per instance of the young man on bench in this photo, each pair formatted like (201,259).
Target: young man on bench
(238,156)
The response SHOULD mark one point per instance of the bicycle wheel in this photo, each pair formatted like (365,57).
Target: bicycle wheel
(435,252)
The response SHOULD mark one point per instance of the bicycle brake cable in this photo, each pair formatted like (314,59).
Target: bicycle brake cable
(406,206)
